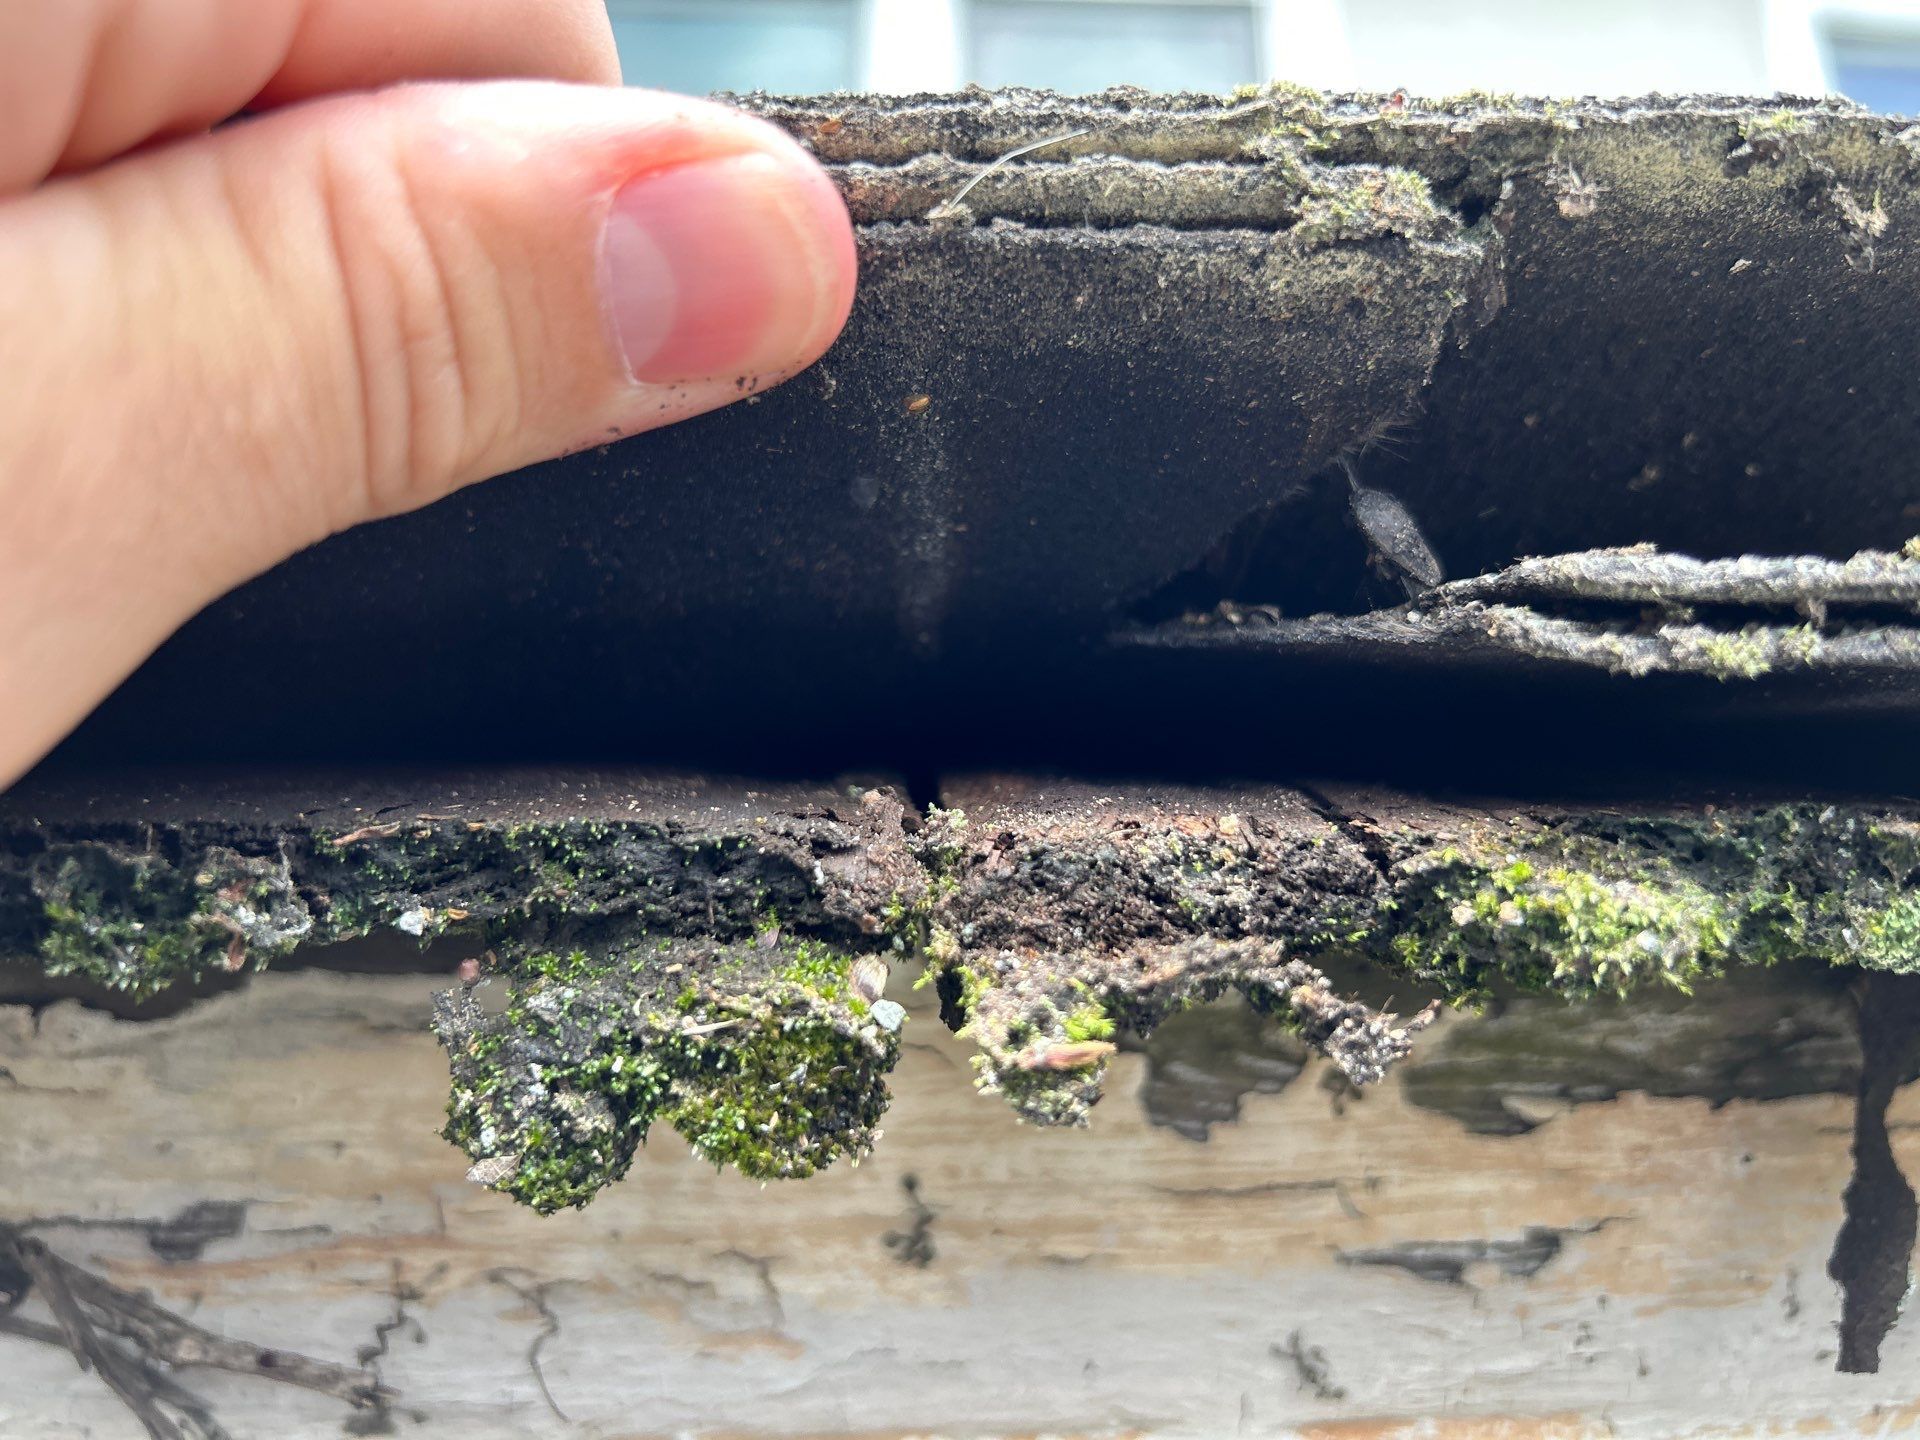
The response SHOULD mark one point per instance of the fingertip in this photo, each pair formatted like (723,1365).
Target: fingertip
(739,264)
(837,254)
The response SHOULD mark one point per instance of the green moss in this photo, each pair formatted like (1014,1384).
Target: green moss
(1557,927)
(1800,644)
(138,923)
(777,1100)
(942,947)
(1360,202)
(1741,656)
(140,916)
(974,985)
(1042,1097)
(816,967)
(763,1062)
(1299,103)
(1890,938)
(1777,125)
(1605,903)
(1089,1022)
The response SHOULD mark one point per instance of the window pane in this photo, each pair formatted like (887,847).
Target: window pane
(1557,47)
(1881,71)
(798,47)
(1077,46)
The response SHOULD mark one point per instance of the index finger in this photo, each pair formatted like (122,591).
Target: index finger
(84,80)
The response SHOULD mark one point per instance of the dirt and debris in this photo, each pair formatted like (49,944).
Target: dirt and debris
(1062,916)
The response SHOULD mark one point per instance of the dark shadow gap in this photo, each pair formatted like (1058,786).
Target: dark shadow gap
(1873,1253)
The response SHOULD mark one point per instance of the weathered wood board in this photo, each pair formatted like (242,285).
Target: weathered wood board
(1330,1265)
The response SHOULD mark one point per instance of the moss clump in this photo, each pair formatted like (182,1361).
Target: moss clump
(1044,1038)
(1286,111)
(139,921)
(1889,937)
(1054,1095)
(1556,926)
(1361,202)
(1089,1022)
(907,917)
(1600,904)
(942,947)
(758,1055)
(1285,93)
(139,908)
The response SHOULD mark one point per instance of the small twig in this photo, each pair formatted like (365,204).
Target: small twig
(366,832)
(174,1341)
(144,1390)
(140,1388)
(44,1270)
(949,209)
(147,1337)
(33,1330)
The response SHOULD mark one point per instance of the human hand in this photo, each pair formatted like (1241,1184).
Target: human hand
(218,348)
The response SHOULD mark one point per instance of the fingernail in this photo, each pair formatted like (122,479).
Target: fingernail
(736,266)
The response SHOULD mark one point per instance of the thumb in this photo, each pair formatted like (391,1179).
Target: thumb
(221,351)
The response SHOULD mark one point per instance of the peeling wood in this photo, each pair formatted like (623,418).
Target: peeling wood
(1122,1279)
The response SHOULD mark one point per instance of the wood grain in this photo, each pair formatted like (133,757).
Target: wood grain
(1639,1266)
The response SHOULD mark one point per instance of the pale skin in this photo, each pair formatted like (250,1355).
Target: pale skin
(440,247)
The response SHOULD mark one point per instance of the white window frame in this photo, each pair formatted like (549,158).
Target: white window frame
(920,45)
(913,45)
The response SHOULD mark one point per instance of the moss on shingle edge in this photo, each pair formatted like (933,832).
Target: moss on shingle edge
(722,979)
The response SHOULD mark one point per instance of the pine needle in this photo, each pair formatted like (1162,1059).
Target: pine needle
(950,209)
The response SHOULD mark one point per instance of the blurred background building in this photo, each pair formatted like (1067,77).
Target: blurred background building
(1866,49)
